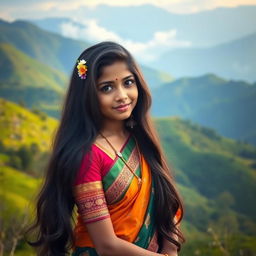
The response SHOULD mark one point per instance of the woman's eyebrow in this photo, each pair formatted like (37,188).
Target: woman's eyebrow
(109,82)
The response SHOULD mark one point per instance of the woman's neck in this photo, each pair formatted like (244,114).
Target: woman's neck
(116,128)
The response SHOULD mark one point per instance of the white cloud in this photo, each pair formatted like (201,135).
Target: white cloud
(58,8)
(148,51)
(175,6)
(91,31)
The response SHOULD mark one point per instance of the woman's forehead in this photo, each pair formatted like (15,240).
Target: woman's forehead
(116,70)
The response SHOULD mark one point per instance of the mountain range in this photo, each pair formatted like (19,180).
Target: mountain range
(51,49)
(24,79)
(233,60)
(28,76)
(201,29)
(227,106)
(57,51)
(220,41)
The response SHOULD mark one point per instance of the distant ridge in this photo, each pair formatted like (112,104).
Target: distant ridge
(51,49)
(227,106)
(23,79)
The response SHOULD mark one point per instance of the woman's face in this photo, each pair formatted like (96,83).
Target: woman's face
(117,92)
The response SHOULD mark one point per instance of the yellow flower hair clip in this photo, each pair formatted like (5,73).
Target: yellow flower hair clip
(82,68)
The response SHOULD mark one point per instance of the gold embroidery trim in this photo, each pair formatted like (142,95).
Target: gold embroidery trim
(91,201)
(123,179)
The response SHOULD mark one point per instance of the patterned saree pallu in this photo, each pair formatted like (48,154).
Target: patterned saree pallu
(108,189)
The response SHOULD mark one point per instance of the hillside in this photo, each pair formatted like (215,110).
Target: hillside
(216,178)
(20,70)
(22,192)
(155,77)
(56,51)
(51,49)
(21,127)
(23,79)
(210,162)
(215,175)
(226,106)
(17,194)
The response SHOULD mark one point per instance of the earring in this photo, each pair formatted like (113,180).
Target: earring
(131,122)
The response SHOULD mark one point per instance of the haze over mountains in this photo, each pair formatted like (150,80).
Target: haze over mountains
(35,70)
(220,41)
(51,49)
(233,60)
(203,29)
(227,106)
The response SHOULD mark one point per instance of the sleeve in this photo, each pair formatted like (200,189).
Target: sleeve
(88,189)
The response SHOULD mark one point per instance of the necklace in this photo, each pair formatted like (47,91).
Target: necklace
(120,155)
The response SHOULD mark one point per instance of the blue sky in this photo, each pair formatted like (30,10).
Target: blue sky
(14,9)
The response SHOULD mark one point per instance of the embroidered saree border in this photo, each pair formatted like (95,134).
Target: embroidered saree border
(91,200)
(118,164)
(147,237)
(123,179)
(128,214)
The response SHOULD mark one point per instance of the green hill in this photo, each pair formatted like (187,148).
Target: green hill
(17,189)
(211,163)
(217,179)
(215,175)
(23,79)
(17,194)
(51,49)
(19,70)
(21,127)
(226,106)
(155,77)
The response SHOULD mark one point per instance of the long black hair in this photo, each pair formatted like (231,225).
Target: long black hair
(79,125)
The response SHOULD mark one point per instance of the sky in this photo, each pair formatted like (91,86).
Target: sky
(146,51)
(13,9)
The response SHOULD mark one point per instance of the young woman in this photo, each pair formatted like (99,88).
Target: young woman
(107,161)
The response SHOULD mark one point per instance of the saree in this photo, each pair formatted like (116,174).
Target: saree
(110,190)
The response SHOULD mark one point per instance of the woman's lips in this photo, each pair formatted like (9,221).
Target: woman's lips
(123,108)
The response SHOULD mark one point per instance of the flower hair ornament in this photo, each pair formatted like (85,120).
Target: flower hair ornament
(82,68)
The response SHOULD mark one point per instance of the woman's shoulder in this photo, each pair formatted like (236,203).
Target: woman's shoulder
(92,156)
(90,166)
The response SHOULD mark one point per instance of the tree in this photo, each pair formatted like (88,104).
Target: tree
(26,157)
(12,226)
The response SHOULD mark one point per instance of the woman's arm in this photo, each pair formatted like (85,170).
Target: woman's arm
(108,244)
(170,248)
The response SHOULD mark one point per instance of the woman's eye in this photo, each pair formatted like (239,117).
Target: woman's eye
(129,82)
(106,88)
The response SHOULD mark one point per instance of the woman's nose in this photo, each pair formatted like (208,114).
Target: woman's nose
(121,94)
